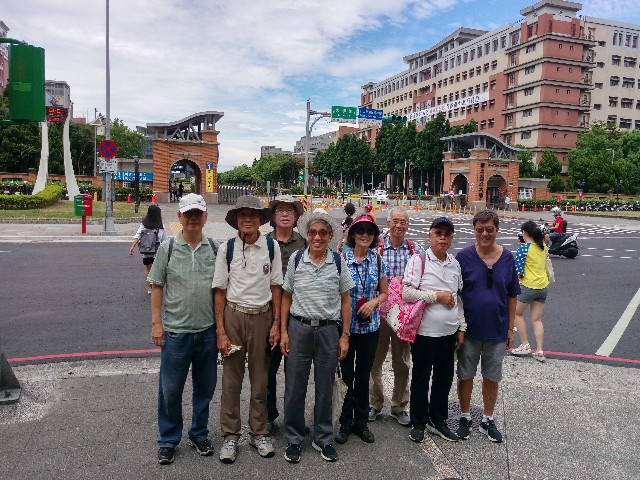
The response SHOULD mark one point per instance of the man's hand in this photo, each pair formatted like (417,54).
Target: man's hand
(459,339)
(157,334)
(343,347)
(224,344)
(274,335)
(367,308)
(284,344)
(509,339)
(446,298)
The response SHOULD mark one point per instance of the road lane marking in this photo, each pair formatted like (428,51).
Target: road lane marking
(618,330)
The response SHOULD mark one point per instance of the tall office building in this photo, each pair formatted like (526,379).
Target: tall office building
(537,82)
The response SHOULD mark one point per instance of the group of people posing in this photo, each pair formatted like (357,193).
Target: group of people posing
(257,298)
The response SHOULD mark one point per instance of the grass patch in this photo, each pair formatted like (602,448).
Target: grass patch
(64,209)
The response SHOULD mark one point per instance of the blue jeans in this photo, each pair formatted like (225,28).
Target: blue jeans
(181,351)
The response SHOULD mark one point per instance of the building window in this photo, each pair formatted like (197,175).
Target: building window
(512,79)
(479,51)
(487,48)
(472,72)
(495,45)
(613,101)
(494,65)
(637,104)
(493,84)
(525,135)
(557,69)
(527,113)
(528,91)
(615,60)
(491,123)
(529,70)
(597,106)
(628,82)
(614,81)
(557,90)
(625,123)
(485,86)
(472,54)
(465,57)
(568,91)
(555,134)
(600,64)
(531,48)
(492,104)
(571,46)
(599,85)
(503,41)
(513,59)
(559,46)
(626,102)
(630,62)
(509,120)
(510,99)
(486,67)
(570,69)
(634,43)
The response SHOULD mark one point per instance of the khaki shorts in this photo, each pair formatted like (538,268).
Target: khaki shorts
(492,354)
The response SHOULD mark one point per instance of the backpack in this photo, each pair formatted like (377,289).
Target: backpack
(336,258)
(148,242)
(214,246)
(231,243)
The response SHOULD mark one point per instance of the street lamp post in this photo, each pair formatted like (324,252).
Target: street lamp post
(618,185)
(306,146)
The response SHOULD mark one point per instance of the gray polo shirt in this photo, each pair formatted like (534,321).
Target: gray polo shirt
(316,290)
(188,299)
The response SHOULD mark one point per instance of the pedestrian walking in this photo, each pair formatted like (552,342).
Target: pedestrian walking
(285,211)
(315,296)
(489,290)
(369,273)
(185,333)
(180,190)
(148,237)
(349,210)
(247,284)
(531,259)
(395,250)
(434,277)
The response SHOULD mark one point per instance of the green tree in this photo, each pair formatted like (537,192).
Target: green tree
(430,151)
(130,143)
(240,175)
(527,169)
(593,159)
(275,168)
(549,165)
(19,147)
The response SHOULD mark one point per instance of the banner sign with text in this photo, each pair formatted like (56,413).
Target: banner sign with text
(208,183)
(131,176)
(446,107)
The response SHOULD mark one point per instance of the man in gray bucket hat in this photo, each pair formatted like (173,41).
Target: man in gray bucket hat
(247,312)
(285,211)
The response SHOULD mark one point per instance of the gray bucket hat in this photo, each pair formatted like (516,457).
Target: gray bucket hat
(297,205)
(247,201)
(308,218)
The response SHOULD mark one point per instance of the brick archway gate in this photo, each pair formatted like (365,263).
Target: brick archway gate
(489,165)
(194,139)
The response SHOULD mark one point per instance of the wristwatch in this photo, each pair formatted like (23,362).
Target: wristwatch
(346,334)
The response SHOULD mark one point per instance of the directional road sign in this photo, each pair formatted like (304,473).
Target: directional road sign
(343,114)
(369,116)
(107,148)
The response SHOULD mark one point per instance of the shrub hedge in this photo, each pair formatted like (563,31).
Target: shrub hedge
(50,195)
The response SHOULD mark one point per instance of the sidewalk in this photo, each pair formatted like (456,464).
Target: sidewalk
(97,419)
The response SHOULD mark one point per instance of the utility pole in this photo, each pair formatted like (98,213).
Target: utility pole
(306,146)
(107,185)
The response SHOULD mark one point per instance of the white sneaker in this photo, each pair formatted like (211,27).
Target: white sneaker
(229,451)
(264,446)
(523,350)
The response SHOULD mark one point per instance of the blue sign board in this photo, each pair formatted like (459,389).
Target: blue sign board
(209,166)
(370,113)
(131,176)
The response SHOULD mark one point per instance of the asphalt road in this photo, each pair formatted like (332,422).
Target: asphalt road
(68,298)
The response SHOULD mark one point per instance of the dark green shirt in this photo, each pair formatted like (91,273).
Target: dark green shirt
(296,242)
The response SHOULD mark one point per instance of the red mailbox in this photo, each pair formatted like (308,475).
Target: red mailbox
(87,205)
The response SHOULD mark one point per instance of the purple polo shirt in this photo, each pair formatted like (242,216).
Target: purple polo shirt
(486,309)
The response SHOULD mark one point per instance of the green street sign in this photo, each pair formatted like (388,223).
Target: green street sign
(344,114)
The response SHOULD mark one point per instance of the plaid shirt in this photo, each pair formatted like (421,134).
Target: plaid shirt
(397,259)
(365,276)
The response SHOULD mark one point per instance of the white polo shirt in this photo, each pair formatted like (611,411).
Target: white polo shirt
(248,280)
(438,320)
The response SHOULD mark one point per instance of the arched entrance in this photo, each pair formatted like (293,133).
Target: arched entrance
(496,191)
(460,185)
(192,145)
(186,169)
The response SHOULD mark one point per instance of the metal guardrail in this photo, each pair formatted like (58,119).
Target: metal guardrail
(230,194)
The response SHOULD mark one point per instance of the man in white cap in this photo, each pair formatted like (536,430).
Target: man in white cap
(184,267)
(248,287)
(285,211)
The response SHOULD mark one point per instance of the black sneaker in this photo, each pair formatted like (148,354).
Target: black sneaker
(440,428)
(364,433)
(204,448)
(166,455)
(327,452)
(490,430)
(292,453)
(416,434)
(464,428)
(343,434)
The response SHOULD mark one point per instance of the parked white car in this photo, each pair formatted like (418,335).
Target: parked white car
(381,195)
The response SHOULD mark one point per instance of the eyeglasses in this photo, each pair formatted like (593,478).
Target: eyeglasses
(285,211)
(490,276)
(489,230)
(320,233)
(193,213)
(401,223)
(364,230)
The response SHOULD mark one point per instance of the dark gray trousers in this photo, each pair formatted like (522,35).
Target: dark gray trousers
(318,345)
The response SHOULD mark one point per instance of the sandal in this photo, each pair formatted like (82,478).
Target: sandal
(539,356)
(523,350)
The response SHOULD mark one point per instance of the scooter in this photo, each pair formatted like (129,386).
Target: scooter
(565,246)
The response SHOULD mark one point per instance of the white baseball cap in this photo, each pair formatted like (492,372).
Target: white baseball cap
(192,201)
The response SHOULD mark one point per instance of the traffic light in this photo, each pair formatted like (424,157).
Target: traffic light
(301,175)
(26,83)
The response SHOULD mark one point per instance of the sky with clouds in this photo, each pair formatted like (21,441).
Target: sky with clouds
(258,61)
